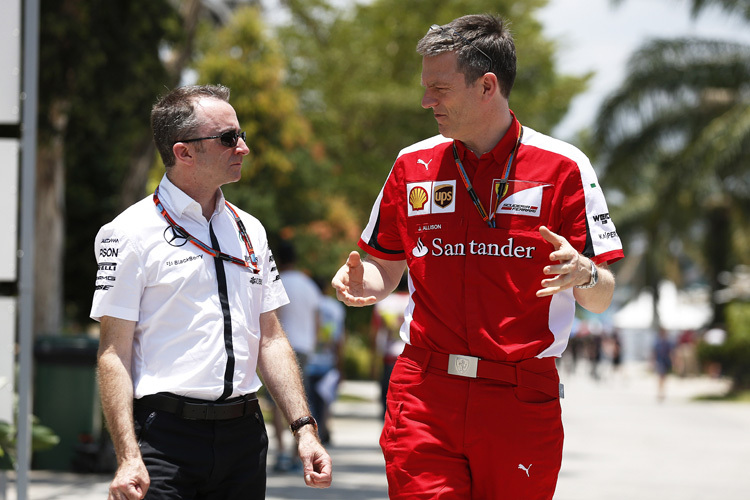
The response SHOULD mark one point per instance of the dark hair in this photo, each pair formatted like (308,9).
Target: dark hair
(489,34)
(173,116)
(286,253)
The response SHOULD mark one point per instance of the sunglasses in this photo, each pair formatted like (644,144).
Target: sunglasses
(228,139)
(454,33)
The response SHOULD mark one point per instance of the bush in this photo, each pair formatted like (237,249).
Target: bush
(42,438)
(734,354)
(357,358)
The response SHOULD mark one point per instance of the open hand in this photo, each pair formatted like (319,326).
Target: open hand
(573,268)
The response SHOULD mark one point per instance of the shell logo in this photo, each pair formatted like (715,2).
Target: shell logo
(418,198)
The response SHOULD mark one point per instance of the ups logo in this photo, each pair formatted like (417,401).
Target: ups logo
(443,195)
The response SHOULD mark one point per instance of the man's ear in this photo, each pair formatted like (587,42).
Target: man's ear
(182,152)
(490,85)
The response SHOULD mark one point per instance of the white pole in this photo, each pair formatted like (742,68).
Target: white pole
(26,253)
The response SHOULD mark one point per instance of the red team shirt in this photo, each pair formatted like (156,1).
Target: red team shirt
(473,287)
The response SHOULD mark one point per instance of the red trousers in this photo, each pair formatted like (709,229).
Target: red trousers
(451,437)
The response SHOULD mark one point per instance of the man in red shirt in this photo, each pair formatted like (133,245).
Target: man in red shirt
(503,230)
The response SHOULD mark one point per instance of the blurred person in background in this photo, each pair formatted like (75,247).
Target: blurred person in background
(387,320)
(503,230)
(187,294)
(300,319)
(325,366)
(663,352)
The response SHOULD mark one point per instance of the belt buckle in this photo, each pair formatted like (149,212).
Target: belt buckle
(463,366)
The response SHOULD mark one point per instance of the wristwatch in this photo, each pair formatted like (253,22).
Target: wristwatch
(594,277)
(301,422)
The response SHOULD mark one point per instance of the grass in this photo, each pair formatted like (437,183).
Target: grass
(742,396)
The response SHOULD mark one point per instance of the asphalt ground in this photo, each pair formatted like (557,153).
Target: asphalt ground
(622,443)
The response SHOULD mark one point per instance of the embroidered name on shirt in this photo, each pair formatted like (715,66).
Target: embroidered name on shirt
(177,262)
(428,227)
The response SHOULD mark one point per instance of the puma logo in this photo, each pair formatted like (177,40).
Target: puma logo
(525,469)
(426,165)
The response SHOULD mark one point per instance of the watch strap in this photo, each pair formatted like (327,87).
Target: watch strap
(301,422)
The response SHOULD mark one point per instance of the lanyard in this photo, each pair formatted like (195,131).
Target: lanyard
(488,218)
(250,261)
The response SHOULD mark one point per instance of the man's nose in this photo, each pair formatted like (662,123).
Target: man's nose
(428,101)
(242,146)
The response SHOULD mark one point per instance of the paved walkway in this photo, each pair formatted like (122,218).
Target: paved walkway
(621,444)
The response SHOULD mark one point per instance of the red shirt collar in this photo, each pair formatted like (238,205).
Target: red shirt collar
(500,152)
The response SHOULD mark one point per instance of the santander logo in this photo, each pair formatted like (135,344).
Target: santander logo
(420,250)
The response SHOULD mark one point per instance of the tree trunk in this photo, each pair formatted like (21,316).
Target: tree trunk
(49,230)
(718,249)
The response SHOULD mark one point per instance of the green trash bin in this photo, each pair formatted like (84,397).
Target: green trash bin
(66,398)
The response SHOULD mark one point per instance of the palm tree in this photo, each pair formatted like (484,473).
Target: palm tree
(675,140)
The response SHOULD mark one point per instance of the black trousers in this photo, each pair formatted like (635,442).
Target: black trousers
(203,459)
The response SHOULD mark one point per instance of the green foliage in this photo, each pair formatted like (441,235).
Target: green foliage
(674,140)
(358,75)
(357,359)
(100,71)
(734,354)
(284,183)
(42,438)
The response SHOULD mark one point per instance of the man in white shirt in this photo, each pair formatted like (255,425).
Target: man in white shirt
(187,293)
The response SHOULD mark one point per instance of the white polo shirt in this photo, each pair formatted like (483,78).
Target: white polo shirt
(169,287)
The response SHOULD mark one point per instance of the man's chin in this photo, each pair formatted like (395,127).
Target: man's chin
(445,131)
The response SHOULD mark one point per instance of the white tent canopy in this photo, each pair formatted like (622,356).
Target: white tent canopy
(678,310)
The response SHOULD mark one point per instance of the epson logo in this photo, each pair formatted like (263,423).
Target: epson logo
(108,252)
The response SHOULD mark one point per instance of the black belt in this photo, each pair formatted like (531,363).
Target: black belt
(195,409)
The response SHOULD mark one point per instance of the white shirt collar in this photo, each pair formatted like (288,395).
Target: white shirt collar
(182,205)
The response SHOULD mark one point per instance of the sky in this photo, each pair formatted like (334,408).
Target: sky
(594,35)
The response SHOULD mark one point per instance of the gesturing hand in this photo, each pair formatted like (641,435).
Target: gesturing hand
(349,282)
(573,268)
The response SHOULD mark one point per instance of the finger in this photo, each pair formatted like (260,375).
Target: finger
(354,259)
(338,280)
(317,480)
(546,292)
(350,300)
(551,237)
